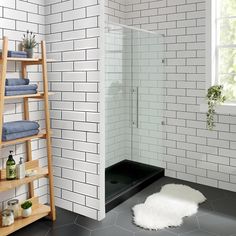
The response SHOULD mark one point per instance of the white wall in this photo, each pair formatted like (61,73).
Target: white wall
(72,34)
(15,18)
(192,152)
(71,29)
(115,11)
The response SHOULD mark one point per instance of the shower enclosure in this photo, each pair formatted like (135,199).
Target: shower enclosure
(134,110)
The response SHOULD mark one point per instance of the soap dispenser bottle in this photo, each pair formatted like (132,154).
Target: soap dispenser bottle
(10,167)
(20,169)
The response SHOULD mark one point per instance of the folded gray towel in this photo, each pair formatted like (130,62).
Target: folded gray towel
(14,82)
(21,87)
(14,93)
(13,136)
(19,126)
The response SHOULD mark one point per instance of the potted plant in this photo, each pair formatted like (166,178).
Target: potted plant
(29,43)
(26,209)
(214,97)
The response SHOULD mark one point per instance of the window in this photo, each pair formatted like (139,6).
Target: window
(221,45)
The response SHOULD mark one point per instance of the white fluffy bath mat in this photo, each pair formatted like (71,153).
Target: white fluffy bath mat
(168,207)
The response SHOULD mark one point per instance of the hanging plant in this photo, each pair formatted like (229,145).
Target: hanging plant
(214,97)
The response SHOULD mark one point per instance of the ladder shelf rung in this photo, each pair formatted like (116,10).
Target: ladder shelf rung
(6,185)
(27,61)
(39,95)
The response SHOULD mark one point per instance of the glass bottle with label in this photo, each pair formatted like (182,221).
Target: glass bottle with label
(11,167)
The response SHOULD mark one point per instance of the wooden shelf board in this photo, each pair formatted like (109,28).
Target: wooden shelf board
(6,185)
(28,166)
(26,60)
(39,95)
(38,212)
(41,134)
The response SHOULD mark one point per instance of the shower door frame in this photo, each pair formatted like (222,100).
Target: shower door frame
(103,102)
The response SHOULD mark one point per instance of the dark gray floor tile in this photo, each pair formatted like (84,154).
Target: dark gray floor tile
(227,207)
(125,220)
(230,194)
(38,228)
(217,216)
(127,205)
(64,217)
(154,188)
(189,224)
(111,231)
(155,233)
(198,233)
(94,224)
(68,230)
(217,223)
(204,208)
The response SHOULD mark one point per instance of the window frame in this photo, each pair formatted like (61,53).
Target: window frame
(211,43)
(211,58)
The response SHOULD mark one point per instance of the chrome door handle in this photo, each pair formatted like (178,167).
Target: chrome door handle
(137,107)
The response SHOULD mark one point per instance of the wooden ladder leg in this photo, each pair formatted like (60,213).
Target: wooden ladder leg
(2,83)
(48,130)
(26,117)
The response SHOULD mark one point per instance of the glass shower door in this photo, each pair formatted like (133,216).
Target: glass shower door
(148,93)
(117,97)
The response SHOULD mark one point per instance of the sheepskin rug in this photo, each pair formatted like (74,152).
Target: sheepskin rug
(168,207)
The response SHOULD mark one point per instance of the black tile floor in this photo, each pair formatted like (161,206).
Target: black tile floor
(216,217)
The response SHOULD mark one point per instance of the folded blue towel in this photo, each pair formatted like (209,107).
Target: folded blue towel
(14,82)
(13,136)
(20,54)
(21,87)
(19,126)
(14,93)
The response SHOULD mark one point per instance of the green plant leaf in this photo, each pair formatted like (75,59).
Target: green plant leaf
(214,96)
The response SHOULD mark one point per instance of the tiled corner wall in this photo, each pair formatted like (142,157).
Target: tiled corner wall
(192,152)
(72,34)
(15,18)
(71,29)
(115,11)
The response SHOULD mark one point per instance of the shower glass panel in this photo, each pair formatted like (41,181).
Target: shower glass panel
(135,92)
(117,94)
(148,97)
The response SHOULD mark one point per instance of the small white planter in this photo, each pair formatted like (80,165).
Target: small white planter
(26,212)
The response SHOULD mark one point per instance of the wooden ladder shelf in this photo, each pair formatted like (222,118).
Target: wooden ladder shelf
(39,210)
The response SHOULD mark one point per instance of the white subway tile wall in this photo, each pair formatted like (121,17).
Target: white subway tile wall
(15,18)
(192,152)
(115,11)
(73,38)
(71,29)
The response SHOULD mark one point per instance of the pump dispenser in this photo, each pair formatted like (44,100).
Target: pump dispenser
(20,169)
(11,167)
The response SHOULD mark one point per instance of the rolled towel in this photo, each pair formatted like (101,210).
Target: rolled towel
(19,126)
(14,93)
(14,82)
(13,136)
(21,87)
